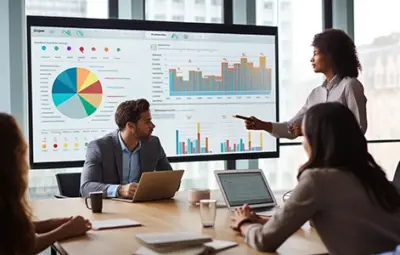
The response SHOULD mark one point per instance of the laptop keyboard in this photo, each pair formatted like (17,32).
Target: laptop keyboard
(262,209)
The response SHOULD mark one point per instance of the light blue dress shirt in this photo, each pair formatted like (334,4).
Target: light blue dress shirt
(130,167)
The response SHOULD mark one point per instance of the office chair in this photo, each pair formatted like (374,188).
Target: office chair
(396,178)
(68,184)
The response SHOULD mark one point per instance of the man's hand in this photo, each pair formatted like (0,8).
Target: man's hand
(127,190)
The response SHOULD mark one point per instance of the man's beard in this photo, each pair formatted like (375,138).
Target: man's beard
(142,136)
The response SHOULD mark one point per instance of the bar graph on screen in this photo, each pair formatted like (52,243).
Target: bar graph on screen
(239,145)
(191,146)
(242,78)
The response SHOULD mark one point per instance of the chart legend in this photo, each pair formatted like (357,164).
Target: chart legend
(77,93)
(240,79)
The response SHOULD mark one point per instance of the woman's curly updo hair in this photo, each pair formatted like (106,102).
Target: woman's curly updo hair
(341,50)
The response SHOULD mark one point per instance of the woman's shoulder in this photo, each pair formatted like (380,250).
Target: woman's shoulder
(351,82)
(323,173)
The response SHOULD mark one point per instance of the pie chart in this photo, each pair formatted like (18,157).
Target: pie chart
(77,93)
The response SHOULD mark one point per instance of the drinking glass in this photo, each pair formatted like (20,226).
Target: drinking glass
(208,211)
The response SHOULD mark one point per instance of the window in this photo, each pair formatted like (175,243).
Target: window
(216,20)
(296,77)
(178,18)
(285,6)
(68,8)
(386,155)
(199,19)
(217,2)
(191,10)
(268,5)
(159,17)
(378,43)
(296,32)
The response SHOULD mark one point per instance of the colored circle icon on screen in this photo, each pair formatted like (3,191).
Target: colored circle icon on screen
(81,49)
(118,49)
(44,146)
(106,49)
(69,48)
(56,48)
(55,146)
(44,47)
(93,48)
(77,93)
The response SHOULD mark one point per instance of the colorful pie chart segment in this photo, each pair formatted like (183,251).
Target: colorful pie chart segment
(77,93)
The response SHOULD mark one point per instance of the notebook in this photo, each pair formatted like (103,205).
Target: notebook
(171,239)
(114,223)
(215,245)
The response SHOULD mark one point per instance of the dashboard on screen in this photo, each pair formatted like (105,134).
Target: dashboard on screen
(196,77)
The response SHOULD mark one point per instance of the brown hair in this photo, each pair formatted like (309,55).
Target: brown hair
(130,111)
(337,141)
(342,51)
(17,235)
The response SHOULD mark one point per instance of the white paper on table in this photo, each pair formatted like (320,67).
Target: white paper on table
(114,223)
(219,245)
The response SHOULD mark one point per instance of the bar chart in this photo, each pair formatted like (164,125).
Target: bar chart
(192,146)
(242,78)
(240,146)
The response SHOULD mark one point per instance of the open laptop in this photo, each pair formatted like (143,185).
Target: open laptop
(240,187)
(157,185)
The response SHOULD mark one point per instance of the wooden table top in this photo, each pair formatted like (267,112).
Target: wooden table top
(161,216)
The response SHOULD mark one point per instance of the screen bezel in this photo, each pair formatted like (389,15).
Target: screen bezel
(41,21)
(218,173)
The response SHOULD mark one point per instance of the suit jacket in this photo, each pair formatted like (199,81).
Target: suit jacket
(103,164)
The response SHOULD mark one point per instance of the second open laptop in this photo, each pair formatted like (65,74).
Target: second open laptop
(157,185)
(240,187)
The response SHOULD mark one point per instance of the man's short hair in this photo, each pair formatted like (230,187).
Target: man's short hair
(130,111)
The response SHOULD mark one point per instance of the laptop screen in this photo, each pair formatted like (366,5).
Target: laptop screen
(245,188)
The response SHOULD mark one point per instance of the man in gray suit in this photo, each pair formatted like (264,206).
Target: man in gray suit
(115,162)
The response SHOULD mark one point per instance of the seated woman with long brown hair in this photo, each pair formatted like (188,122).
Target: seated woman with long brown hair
(19,235)
(341,188)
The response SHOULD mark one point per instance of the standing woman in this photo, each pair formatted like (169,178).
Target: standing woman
(335,56)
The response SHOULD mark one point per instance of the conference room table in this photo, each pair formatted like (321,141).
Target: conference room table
(174,215)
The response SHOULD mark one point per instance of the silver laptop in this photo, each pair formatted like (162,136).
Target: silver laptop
(157,185)
(240,187)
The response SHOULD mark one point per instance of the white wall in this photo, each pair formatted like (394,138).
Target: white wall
(13,86)
(5,97)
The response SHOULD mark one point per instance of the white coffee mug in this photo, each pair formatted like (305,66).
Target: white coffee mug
(195,195)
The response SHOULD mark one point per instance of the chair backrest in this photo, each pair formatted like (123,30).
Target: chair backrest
(69,184)
(396,178)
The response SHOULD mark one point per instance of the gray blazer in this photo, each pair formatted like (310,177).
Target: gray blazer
(103,164)
(342,212)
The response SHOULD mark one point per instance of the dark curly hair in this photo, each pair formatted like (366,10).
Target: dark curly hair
(340,48)
(130,111)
